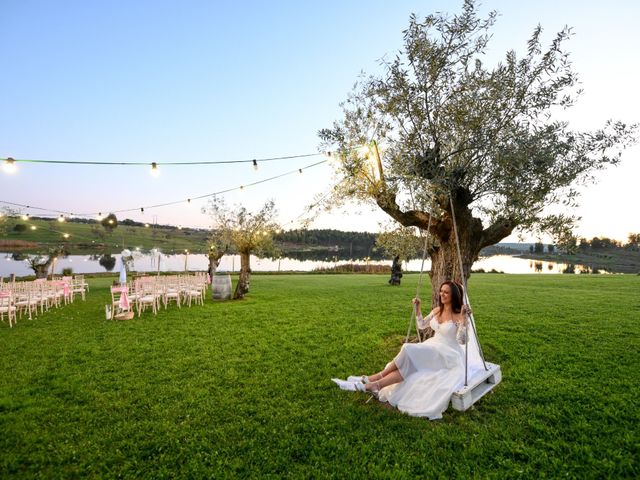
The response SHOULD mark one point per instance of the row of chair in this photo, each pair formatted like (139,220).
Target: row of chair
(37,296)
(157,291)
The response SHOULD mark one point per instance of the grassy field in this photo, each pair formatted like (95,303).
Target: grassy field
(50,233)
(242,389)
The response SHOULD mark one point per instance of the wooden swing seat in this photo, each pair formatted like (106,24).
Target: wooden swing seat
(478,385)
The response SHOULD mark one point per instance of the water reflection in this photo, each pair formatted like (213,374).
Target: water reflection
(107,262)
(17,264)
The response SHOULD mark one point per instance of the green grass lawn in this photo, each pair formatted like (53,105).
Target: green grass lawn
(242,389)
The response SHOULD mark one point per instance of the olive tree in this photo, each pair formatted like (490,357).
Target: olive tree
(41,263)
(245,231)
(455,139)
(400,241)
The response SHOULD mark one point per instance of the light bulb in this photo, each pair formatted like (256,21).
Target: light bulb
(9,166)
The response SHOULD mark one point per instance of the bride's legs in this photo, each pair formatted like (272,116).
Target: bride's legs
(390,368)
(389,379)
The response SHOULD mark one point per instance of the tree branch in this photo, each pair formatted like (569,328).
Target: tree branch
(410,218)
(500,229)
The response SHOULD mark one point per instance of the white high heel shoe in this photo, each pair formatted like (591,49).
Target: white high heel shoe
(358,378)
(349,386)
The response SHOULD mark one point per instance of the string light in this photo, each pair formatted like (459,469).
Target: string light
(154,169)
(25,217)
(255,164)
(65,235)
(33,227)
(61,218)
(9,166)
(220,192)
(213,162)
(141,209)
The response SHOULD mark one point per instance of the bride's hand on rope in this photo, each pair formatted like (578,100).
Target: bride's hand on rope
(466,310)
(416,305)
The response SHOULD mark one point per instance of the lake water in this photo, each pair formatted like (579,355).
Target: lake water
(231,263)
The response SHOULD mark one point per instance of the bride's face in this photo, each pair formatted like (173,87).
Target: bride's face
(445,294)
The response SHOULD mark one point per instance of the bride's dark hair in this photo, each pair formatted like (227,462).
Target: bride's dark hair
(456,296)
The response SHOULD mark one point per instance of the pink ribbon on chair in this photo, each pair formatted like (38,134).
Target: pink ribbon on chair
(5,294)
(124,298)
(64,285)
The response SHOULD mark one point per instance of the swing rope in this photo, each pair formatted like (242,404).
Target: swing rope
(414,310)
(465,299)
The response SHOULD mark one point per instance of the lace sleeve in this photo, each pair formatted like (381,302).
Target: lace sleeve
(461,334)
(421,322)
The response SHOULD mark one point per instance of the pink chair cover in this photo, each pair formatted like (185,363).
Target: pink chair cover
(124,298)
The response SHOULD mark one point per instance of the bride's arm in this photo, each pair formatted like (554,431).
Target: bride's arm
(461,324)
(423,322)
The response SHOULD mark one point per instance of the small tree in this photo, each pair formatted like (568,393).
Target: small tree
(218,247)
(400,241)
(98,232)
(41,263)
(569,245)
(551,248)
(633,242)
(110,222)
(247,232)
(538,247)
(7,219)
(107,261)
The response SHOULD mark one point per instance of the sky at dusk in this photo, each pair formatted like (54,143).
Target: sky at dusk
(197,81)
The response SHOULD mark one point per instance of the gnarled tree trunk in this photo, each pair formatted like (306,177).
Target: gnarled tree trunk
(472,236)
(245,275)
(445,259)
(41,269)
(214,261)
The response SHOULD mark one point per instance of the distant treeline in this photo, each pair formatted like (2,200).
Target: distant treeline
(596,244)
(329,243)
(604,243)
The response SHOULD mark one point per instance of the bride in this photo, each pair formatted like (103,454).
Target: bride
(421,378)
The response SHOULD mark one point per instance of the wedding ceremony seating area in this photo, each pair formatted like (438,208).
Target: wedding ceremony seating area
(35,297)
(156,292)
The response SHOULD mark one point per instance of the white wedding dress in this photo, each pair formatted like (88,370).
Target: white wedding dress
(432,371)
